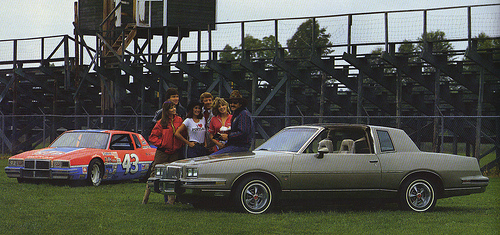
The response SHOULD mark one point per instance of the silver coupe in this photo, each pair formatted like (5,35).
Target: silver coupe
(324,161)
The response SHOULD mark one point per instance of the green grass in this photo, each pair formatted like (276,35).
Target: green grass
(116,209)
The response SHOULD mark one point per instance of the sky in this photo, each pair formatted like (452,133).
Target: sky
(36,18)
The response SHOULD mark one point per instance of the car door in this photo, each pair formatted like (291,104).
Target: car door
(337,170)
(128,165)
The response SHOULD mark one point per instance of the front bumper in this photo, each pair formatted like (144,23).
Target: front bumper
(51,173)
(190,187)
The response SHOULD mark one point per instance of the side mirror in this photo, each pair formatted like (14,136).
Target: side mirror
(321,152)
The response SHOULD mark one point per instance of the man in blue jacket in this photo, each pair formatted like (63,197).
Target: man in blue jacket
(242,131)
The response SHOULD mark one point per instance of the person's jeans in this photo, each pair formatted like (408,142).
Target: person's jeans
(197,151)
(231,149)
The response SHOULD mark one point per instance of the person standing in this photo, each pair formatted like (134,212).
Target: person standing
(240,137)
(173,95)
(206,99)
(220,123)
(162,136)
(196,131)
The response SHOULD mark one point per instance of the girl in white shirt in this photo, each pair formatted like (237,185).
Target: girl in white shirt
(196,130)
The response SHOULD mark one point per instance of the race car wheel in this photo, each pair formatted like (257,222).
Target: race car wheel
(95,172)
(418,194)
(254,195)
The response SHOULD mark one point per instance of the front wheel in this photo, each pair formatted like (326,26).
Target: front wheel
(254,195)
(418,194)
(95,172)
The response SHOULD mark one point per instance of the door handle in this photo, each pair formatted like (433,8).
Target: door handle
(373,161)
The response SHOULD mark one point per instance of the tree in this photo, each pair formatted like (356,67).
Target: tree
(228,53)
(484,42)
(300,45)
(257,48)
(437,38)
(439,43)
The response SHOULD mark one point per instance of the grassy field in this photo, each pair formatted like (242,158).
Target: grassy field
(116,209)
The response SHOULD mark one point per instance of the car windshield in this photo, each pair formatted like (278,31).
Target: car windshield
(289,140)
(82,140)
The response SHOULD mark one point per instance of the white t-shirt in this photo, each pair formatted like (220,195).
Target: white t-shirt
(196,130)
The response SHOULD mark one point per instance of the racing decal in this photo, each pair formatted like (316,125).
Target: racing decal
(130,163)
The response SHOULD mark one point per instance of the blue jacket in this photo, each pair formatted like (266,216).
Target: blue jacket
(242,129)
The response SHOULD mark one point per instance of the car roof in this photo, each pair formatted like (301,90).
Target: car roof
(99,131)
(328,125)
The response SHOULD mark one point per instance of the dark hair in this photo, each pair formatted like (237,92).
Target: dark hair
(190,113)
(236,97)
(164,113)
(170,92)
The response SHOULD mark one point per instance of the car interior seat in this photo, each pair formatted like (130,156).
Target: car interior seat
(347,146)
(326,143)
(361,146)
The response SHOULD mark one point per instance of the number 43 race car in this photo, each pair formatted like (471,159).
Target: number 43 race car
(90,155)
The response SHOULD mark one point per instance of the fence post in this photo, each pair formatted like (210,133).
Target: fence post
(477,149)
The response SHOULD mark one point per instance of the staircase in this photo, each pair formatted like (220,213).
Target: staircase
(124,39)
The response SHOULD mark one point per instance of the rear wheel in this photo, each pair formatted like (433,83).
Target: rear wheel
(254,195)
(95,172)
(418,194)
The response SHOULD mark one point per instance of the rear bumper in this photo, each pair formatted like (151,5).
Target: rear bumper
(470,185)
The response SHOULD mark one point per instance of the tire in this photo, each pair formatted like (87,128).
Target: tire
(254,195)
(418,194)
(95,172)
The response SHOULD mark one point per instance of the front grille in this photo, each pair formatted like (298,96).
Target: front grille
(37,164)
(173,172)
(35,174)
(36,168)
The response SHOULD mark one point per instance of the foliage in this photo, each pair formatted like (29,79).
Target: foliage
(437,38)
(257,48)
(301,43)
(116,209)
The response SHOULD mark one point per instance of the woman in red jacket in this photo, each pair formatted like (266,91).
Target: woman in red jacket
(162,136)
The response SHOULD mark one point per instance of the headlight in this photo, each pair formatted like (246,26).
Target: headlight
(60,164)
(16,162)
(192,172)
(159,172)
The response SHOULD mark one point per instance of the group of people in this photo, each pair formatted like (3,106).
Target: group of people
(209,126)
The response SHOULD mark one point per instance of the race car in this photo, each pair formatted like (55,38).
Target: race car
(93,156)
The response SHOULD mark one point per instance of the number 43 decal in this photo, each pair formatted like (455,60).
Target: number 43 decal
(130,163)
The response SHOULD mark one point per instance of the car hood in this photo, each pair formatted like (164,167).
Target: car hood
(223,158)
(57,153)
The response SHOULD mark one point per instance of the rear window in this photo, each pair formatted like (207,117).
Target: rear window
(385,141)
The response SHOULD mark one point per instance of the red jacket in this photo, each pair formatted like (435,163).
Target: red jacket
(164,139)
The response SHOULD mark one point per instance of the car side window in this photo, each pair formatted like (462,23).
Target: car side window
(121,142)
(313,146)
(137,142)
(385,141)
